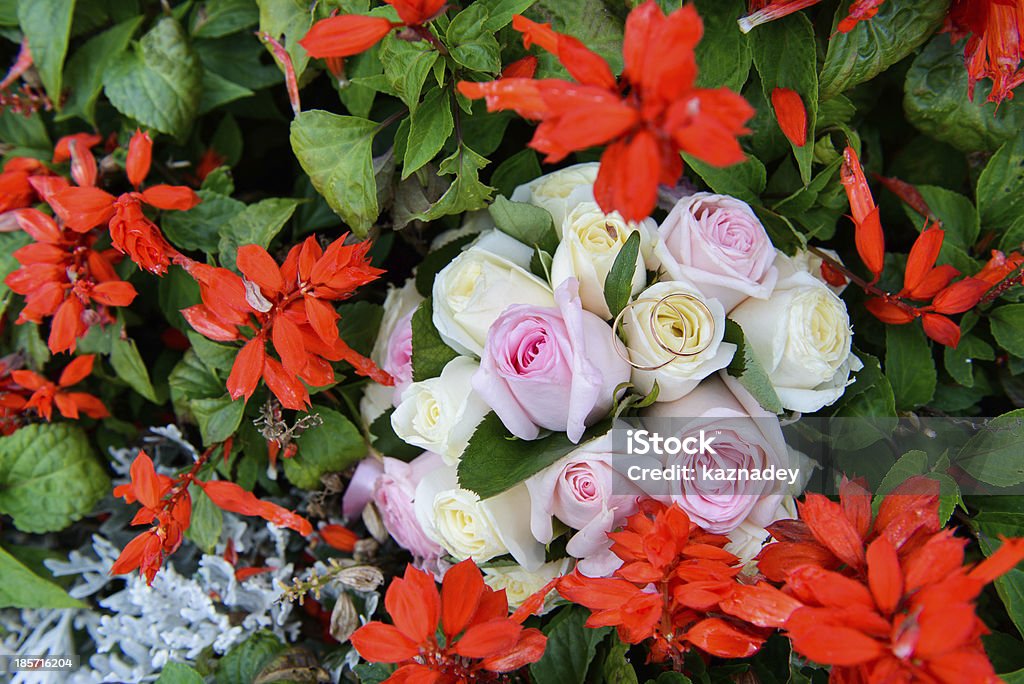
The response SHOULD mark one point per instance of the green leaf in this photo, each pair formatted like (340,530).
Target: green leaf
(257,224)
(495,460)
(935,101)
(26,132)
(436,260)
(10,243)
(430,125)
(191,379)
(217,18)
(1007,324)
(466,192)
(870,400)
(243,662)
(723,54)
(49,477)
(47,26)
(429,352)
(471,43)
(500,12)
(1001,186)
(384,439)
(332,446)
(199,227)
(909,365)
(588,20)
(570,648)
(527,223)
(86,67)
(290,19)
(957,213)
(129,366)
(616,668)
(336,152)
(993,455)
(959,360)
(215,355)
(239,59)
(748,369)
(745,181)
(207,520)
(178,673)
(157,83)
(784,54)
(218,418)
(521,167)
(218,91)
(406,66)
(22,588)
(618,284)
(873,46)
(373,673)
(176,291)
(1003,516)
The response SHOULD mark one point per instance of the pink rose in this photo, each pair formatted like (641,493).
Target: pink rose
(394,496)
(745,437)
(550,368)
(360,487)
(586,493)
(717,243)
(398,354)
(392,350)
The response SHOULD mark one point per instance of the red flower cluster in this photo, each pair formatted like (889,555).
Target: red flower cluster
(762,11)
(886,599)
(167,508)
(678,587)
(84,207)
(349,34)
(645,117)
(62,276)
(480,640)
(16,189)
(289,307)
(995,47)
(45,393)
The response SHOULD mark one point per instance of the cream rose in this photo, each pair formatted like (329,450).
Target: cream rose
(467,527)
(552,191)
(392,349)
(802,336)
(440,414)
(685,322)
(590,240)
(519,584)
(473,290)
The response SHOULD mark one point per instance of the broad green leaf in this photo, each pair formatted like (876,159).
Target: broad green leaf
(495,460)
(216,18)
(588,20)
(471,43)
(745,181)
(218,418)
(993,455)
(336,152)
(257,224)
(8,12)
(47,26)
(49,477)
(618,284)
(373,673)
(527,223)
(243,662)
(909,365)
(25,132)
(430,125)
(870,400)
(723,54)
(873,46)
(199,227)
(207,520)
(191,380)
(218,91)
(219,357)
(290,20)
(616,668)
(129,366)
(1001,186)
(957,213)
(158,83)
(746,368)
(466,192)
(178,673)
(520,168)
(9,243)
(570,648)
(406,66)
(1003,516)
(358,99)
(176,291)
(959,360)
(500,12)
(784,54)
(332,446)
(22,588)
(908,465)
(384,439)
(436,260)
(1007,323)
(935,101)
(359,324)
(238,58)
(86,67)
(429,352)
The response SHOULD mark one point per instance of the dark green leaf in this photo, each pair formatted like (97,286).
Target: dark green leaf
(129,366)
(22,588)
(1007,323)
(471,43)
(527,223)
(909,365)
(218,91)
(957,213)
(959,360)
(745,181)
(516,170)
(85,69)
(207,520)
(332,446)
(216,18)
(723,55)
(176,291)
(570,648)
(748,369)
(199,227)
(618,284)
(243,662)
(430,125)
(1004,516)
(429,352)
(993,455)
(257,224)
(218,417)
(1001,186)
(47,26)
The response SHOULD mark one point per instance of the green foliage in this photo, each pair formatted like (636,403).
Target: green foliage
(1001,186)
(909,365)
(529,224)
(429,352)
(618,284)
(207,520)
(991,456)
(22,588)
(332,446)
(1003,516)
(746,368)
(256,224)
(570,648)
(86,67)
(245,661)
(47,26)
(176,673)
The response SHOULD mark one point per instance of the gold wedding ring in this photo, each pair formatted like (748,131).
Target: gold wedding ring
(623,351)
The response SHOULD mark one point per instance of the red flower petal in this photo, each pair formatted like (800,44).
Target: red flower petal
(528,649)
(521,68)
(922,257)
(380,643)
(960,296)
(176,197)
(83,209)
(761,604)
(791,115)
(67,326)
(286,387)
(79,369)
(339,537)
(888,312)
(208,325)
(718,637)
(627,181)
(140,156)
(461,590)
(414,605)
(884,575)
(114,293)
(258,266)
(345,35)
(941,329)
(935,281)
(488,638)
(247,369)
(146,485)
(832,529)
(831,645)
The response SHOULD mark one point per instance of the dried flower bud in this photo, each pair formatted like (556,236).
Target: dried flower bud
(361,577)
(344,618)
(374,523)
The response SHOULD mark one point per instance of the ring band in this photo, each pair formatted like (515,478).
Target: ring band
(623,351)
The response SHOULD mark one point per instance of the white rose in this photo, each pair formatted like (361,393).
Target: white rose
(802,336)
(590,240)
(440,414)
(680,324)
(808,262)
(467,527)
(392,350)
(375,401)
(473,223)
(519,584)
(552,191)
(473,290)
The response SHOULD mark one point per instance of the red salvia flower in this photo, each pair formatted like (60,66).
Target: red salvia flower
(289,307)
(63,277)
(231,497)
(480,639)
(13,396)
(339,537)
(210,160)
(762,12)
(345,35)
(45,393)
(645,117)
(791,115)
(677,587)
(995,47)
(16,189)
(869,238)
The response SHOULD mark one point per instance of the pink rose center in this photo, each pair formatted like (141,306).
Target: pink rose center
(530,347)
(581,483)
(731,231)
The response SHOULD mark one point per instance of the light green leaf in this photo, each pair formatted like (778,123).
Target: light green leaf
(336,152)
(332,446)
(47,25)
(1001,186)
(616,667)
(257,224)
(527,223)
(157,83)
(745,181)
(216,18)
(129,366)
(909,365)
(86,67)
(406,66)
(466,192)
(178,673)
(746,368)
(471,43)
(22,588)
(218,418)
(243,662)
(49,477)
(618,284)
(957,213)
(290,19)
(207,520)
(430,125)
(215,355)
(993,455)
(429,352)
(500,12)
(1007,323)
(588,20)
(723,54)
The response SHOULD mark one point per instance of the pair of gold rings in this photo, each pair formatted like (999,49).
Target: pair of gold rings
(623,351)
